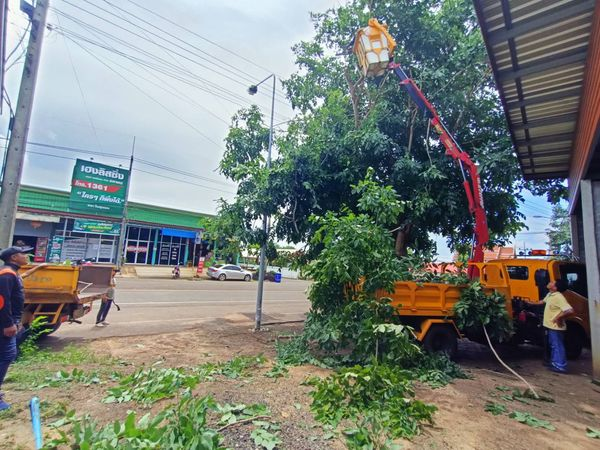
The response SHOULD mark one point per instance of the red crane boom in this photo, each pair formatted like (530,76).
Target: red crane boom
(471,180)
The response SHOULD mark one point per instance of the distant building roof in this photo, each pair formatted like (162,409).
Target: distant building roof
(499,253)
(42,200)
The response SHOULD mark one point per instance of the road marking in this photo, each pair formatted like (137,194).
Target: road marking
(211,302)
(199,290)
(197,319)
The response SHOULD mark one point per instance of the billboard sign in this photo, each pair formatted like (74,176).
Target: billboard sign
(98,189)
(96,226)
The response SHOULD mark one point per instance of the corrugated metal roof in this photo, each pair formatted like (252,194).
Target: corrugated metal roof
(54,201)
(538,51)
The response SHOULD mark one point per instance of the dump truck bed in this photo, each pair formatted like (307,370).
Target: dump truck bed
(423,299)
(66,284)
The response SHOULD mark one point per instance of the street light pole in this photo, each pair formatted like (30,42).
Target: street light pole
(265,225)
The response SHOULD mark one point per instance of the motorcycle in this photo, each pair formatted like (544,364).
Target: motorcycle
(176,273)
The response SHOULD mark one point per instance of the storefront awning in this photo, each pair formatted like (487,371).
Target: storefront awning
(179,233)
(37,217)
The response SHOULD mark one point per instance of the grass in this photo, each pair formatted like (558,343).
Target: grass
(34,367)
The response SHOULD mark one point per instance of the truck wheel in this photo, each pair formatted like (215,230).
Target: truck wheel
(441,339)
(574,340)
(53,328)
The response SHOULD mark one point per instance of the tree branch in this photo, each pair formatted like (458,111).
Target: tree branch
(353,96)
(249,419)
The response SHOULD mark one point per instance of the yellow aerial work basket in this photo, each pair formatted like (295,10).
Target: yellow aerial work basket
(374,47)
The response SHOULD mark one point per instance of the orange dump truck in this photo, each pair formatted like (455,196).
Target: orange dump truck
(429,307)
(63,293)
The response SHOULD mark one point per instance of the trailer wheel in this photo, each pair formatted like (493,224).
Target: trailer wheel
(574,341)
(441,339)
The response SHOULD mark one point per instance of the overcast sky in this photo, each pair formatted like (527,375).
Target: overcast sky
(98,99)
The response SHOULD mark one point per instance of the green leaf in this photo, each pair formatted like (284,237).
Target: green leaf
(264,438)
(530,420)
(593,433)
(495,408)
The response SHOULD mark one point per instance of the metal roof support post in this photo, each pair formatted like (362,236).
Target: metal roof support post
(590,214)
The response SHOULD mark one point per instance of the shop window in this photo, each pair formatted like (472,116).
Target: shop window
(144,234)
(134,233)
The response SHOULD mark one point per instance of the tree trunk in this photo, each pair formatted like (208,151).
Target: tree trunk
(402,240)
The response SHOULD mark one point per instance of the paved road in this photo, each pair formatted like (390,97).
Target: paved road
(150,306)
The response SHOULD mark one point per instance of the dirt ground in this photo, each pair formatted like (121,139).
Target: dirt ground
(460,423)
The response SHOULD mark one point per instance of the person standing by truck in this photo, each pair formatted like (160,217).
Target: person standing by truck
(12,299)
(556,310)
(107,301)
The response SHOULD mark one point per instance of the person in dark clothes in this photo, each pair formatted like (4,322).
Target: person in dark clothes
(12,300)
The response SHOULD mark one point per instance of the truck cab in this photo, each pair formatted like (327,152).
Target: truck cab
(527,279)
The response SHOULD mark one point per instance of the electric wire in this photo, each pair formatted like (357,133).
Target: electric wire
(174,114)
(155,66)
(167,68)
(125,157)
(184,56)
(163,84)
(135,169)
(211,58)
(194,33)
(87,110)
(18,45)
(171,90)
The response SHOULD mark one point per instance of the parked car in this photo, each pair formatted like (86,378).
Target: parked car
(224,272)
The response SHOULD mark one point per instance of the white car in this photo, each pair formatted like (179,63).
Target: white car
(224,272)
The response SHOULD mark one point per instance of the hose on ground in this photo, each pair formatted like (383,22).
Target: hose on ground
(529,386)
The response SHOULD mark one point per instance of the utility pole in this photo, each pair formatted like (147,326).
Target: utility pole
(15,154)
(263,248)
(121,246)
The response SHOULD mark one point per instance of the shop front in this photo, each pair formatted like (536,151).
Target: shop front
(77,239)
(155,235)
(158,246)
(34,230)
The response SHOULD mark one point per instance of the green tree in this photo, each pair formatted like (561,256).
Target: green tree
(559,233)
(346,124)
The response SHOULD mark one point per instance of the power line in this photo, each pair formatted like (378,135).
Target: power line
(212,58)
(80,89)
(138,170)
(150,97)
(78,150)
(169,69)
(18,45)
(177,93)
(124,157)
(203,38)
(142,51)
(160,45)
(183,181)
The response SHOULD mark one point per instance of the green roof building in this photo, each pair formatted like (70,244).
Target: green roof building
(155,235)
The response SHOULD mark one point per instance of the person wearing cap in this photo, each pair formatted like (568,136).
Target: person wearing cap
(556,310)
(12,298)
